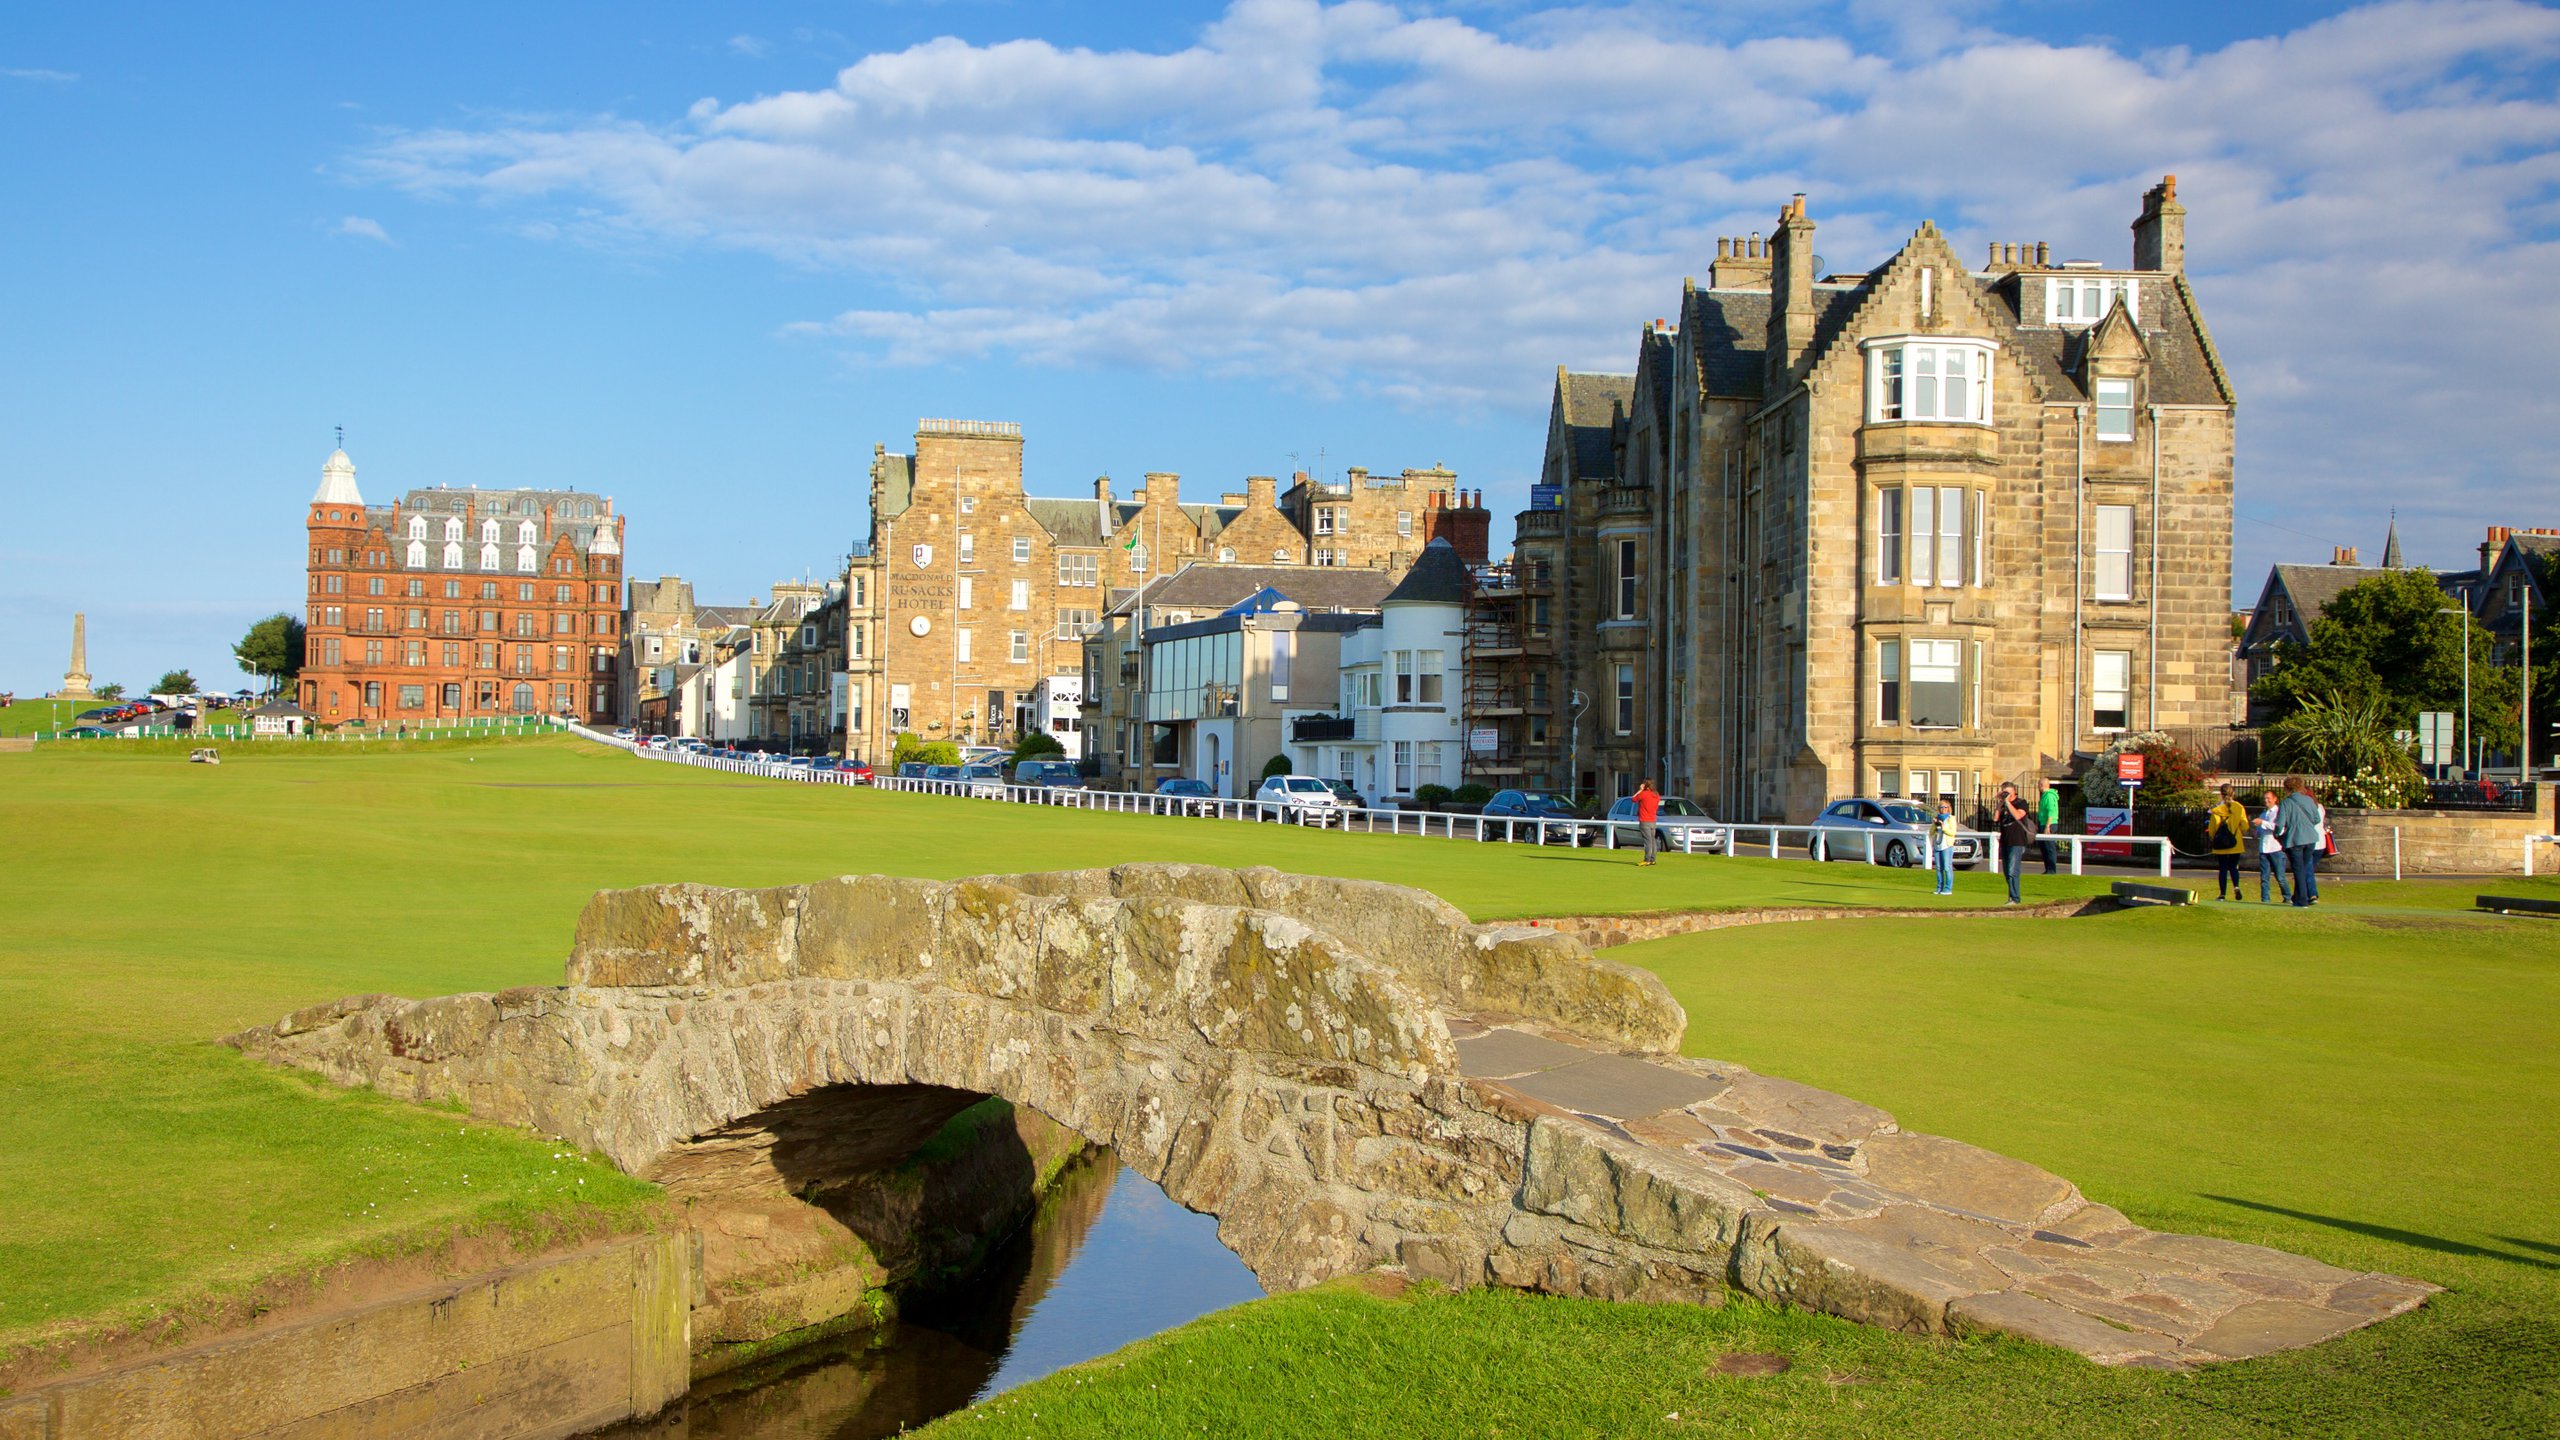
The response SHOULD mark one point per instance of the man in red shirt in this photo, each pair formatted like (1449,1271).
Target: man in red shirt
(1648,805)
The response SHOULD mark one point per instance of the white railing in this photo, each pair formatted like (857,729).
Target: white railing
(1974,848)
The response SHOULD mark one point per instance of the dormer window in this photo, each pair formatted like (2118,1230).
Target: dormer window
(1938,380)
(2073,300)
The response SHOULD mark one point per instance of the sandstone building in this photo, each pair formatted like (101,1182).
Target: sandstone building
(454,605)
(967,608)
(1903,532)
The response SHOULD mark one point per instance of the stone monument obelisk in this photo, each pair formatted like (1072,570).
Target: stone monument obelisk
(75,681)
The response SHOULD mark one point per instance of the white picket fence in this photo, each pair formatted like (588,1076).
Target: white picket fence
(1720,838)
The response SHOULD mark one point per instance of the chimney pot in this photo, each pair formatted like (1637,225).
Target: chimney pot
(2044,255)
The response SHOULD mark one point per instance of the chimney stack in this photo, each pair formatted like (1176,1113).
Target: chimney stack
(2160,236)
(1261,490)
(1740,265)
(1790,290)
(2342,555)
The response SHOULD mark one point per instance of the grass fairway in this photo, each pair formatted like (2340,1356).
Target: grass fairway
(152,905)
(2375,1090)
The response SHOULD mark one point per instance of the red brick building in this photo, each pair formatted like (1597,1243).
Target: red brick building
(450,605)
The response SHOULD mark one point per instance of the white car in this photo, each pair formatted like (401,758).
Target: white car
(1303,799)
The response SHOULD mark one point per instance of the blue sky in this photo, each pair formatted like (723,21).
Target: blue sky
(702,258)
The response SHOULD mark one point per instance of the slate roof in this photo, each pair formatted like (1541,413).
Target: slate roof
(1202,585)
(1076,522)
(1439,577)
(707,617)
(2309,588)
(1591,404)
(2183,369)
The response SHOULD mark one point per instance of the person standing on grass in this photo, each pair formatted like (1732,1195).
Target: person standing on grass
(2271,861)
(2228,830)
(2017,831)
(1942,846)
(1648,805)
(2298,825)
(2048,816)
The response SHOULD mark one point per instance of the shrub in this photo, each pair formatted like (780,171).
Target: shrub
(907,748)
(1472,793)
(2171,779)
(1431,796)
(1276,765)
(1038,745)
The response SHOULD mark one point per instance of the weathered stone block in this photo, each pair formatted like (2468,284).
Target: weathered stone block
(871,927)
(1541,975)
(696,935)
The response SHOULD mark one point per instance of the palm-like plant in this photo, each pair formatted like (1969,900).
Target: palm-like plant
(2349,736)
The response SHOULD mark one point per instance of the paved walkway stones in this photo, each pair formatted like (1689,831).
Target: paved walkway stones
(1348,1074)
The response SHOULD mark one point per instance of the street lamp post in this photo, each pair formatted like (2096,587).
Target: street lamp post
(2470,762)
(1573,749)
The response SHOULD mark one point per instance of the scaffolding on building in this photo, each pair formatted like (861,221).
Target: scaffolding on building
(1512,715)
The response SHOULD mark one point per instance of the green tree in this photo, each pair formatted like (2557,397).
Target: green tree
(2388,639)
(176,682)
(272,648)
(1037,745)
(1276,765)
(110,692)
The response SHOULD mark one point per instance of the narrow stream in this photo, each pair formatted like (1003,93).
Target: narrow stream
(1108,1261)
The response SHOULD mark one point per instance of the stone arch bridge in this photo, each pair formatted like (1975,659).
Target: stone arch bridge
(1346,1074)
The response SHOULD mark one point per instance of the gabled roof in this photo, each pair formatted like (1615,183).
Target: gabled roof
(1438,577)
(2307,589)
(1077,522)
(1589,406)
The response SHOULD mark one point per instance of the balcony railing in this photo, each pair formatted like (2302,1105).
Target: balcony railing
(1626,500)
(1540,524)
(1310,729)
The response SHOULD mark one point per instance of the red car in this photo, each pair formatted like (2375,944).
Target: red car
(860,772)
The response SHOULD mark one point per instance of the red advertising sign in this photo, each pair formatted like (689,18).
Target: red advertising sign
(2129,767)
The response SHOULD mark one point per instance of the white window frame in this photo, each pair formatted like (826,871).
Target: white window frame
(1625,708)
(1403,751)
(2116,557)
(1897,366)
(1021,647)
(1935,656)
(968,548)
(1020,598)
(1428,672)
(2119,686)
(1021,549)
(2120,411)
(1888,682)
(2085,299)
(1627,580)
(960,638)
(968,593)
(1889,524)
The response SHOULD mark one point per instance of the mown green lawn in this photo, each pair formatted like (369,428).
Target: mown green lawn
(152,905)
(35,717)
(2376,1090)
(2369,1083)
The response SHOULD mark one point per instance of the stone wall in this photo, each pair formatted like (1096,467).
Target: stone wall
(2439,842)
(554,1347)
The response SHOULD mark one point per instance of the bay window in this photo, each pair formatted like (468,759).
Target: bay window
(1889,537)
(1937,689)
(1929,380)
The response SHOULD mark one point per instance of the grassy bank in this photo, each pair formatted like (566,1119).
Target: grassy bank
(154,905)
(2363,1088)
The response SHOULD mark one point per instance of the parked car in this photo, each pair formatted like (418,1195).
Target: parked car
(1677,818)
(942,772)
(1303,799)
(88,732)
(1194,795)
(1900,829)
(1526,808)
(1349,797)
(984,780)
(860,772)
(1061,773)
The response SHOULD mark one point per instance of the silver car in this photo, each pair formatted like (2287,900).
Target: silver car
(1303,799)
(1676,820)
(1900,831)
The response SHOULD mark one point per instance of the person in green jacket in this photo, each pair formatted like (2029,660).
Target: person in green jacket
(2228,826)
(2048,815)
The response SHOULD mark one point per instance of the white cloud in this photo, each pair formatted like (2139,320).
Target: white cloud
(750,46)
(46,77)
(358,227)
(1365,199)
